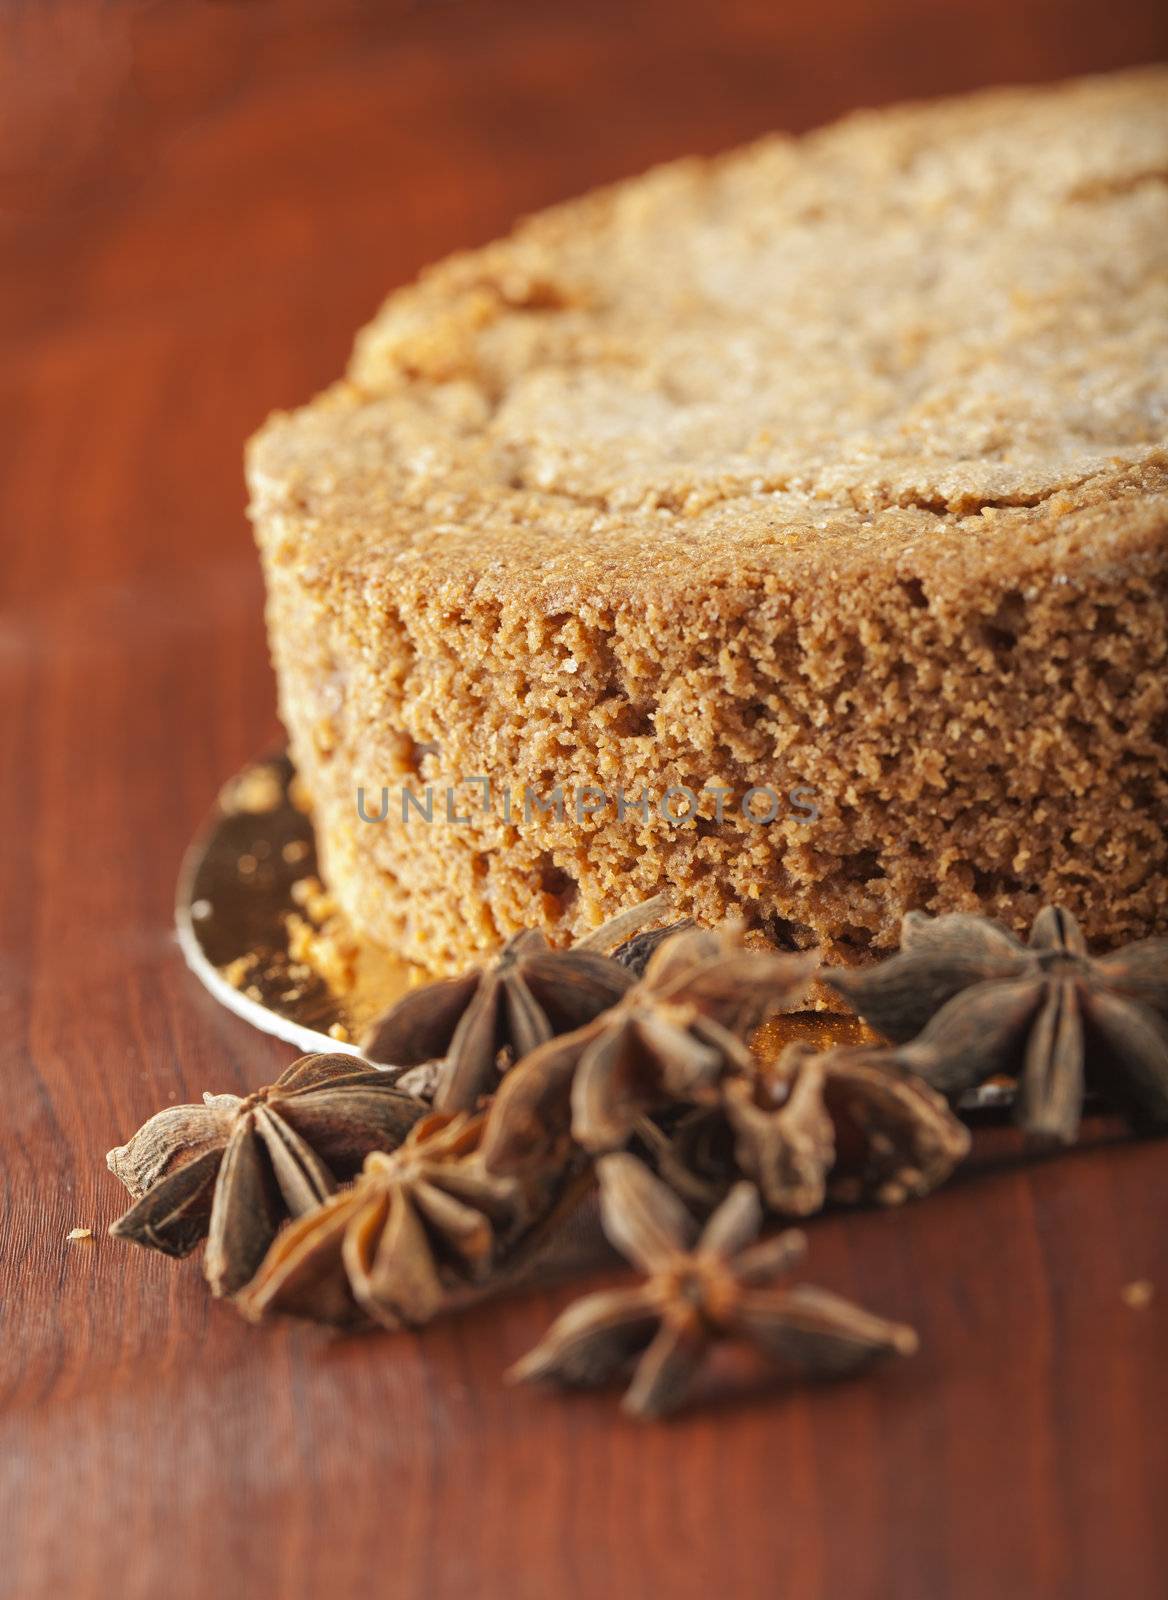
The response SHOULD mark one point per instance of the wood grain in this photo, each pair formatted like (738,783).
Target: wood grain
(198,204)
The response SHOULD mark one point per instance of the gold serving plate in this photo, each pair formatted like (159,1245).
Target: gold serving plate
(256,926)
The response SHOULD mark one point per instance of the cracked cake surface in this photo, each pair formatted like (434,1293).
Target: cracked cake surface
(837,462)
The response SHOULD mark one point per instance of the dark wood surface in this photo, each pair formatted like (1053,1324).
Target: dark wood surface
(198,204)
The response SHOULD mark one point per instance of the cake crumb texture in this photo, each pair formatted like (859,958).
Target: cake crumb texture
(837,461)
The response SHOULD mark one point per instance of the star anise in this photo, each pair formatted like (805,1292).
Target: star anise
(526,996)
(976,1003)
(417,1224)
(846,1125)
(235,1168)
(669,1038)
(700,1288)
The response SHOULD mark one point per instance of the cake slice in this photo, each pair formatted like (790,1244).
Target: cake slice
(833,469)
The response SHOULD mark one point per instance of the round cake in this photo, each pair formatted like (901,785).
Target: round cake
(787,531)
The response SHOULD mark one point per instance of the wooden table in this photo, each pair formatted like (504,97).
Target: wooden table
(199,202)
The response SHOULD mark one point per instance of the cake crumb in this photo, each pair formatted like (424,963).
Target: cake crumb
(339,1032)
(256,791)
(1138,1296)
(79,1233)
(328,950)
(237,972)
(314,899)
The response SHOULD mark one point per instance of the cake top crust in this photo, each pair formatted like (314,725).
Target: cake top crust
(908,338)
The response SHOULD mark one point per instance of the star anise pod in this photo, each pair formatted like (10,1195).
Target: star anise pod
(692,1150)
(669,1038)
(527,995)
(235,1168)
(700,1288)
(846,1125)
(417,1224)
(976,1003)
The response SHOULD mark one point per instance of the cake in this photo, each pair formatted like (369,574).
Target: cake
(825,480)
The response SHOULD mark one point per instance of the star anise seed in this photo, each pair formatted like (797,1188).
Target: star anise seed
(967,1001)
(701,1287)
(669,1038)
(635,952)
(527,995)
(234,1168)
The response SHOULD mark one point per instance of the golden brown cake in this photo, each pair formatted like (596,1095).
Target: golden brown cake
(836,466)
